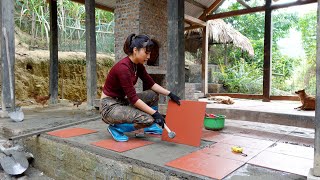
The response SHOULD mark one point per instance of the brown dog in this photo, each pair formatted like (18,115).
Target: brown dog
(308,102)
(221,99)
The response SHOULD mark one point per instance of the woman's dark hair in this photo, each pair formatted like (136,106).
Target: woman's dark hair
(139,41)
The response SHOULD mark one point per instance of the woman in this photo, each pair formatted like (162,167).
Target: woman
(121,107)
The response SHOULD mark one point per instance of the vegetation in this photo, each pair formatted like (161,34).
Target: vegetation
(32,16)
(243,74)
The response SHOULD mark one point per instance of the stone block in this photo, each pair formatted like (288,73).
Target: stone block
(215,88)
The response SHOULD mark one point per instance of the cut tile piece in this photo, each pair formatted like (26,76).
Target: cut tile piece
(71,132)
(121,146)
(186,121)
(206,164)
(292,150)
(283,162)
(224,151)
(248,142)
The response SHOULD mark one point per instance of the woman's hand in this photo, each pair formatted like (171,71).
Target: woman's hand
(159,119)
(174,98)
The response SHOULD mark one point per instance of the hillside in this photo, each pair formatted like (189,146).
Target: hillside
(32,71)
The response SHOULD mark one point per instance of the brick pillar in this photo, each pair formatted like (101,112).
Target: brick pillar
(141,17)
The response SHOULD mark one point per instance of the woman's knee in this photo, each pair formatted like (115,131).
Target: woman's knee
(144,120)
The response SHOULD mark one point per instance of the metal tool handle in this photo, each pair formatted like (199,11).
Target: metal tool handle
(166,127)
(9,68)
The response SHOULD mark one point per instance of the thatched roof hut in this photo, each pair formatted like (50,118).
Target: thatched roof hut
(219,32)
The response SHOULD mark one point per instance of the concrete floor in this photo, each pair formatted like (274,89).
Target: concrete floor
(159,153)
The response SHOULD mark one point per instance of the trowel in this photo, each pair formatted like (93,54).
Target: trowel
(14,162)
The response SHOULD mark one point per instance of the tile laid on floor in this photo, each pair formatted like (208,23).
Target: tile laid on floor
(282,162)
(206,164)
(224,151)
(292,150)
(261,135)
(248,142)
(121,146)
(186,121)
(215,136)
(297,140)
(71,132)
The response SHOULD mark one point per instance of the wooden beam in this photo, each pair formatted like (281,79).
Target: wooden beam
(54,64)
(196,4)
(290,4)
(175,76)
(204,60)
(316,159)
(235,13)
(214,6)
(97,5)
(7,54)
(91,53)
(192,20)
(192,27)
(257,9)
(243,3)
(267,61)
(255,96)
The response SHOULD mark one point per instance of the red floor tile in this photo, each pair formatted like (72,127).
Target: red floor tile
(292,150)
(186,121)
(248,142)
(206,165)
(283,162)
(66,133)
(224,151)
(121,146)
(215,136)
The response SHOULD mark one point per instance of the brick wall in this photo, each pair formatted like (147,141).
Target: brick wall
(141,17)
(154,22)
(126,22)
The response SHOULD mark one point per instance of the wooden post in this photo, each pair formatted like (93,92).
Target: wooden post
(316,161)
(91,65)
(176,62)
(267,53)
(204,60)
(7,51)
(53,76)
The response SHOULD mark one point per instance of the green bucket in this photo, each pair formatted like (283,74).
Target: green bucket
(216,123)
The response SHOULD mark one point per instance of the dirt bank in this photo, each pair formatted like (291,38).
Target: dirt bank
(32,73)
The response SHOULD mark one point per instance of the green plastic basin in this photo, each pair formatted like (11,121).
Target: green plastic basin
(216,123)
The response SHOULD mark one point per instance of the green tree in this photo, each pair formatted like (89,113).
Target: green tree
(307,70)
(252,26)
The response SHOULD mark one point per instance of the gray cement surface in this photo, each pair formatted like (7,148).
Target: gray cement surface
(250,172)
(38,118)
(155,156)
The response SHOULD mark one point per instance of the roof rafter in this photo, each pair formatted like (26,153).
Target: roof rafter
(192,20)
(192,27)
(214,6)
(243,3)
(257,9)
